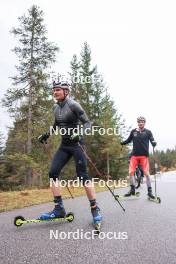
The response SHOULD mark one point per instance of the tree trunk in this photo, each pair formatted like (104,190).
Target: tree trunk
(107,159)
(29,139)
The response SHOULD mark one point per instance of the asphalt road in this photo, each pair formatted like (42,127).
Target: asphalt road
(150,230)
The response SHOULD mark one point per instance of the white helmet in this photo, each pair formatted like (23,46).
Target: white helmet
(63,85)
(141,118)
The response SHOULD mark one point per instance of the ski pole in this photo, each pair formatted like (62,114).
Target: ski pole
(155,166)
(49,156)
(100,175)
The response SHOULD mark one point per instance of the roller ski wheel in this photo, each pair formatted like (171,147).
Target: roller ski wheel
(20,220)
(131,197)
(97,227)
(70,217)
(155,199)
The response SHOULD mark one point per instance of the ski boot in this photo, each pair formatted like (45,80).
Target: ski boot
(97,218)
(150,194)
(131,192)
(57,212)
(153,198)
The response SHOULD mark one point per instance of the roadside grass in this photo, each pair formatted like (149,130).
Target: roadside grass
(19,199)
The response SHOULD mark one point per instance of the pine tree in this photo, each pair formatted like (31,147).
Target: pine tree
(166,160)
(92,95)
(1,160)
(74,76)
(87,73)
(28,98)
(1,144)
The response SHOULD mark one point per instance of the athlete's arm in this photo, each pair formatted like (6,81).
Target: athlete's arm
(55,125)
(43,137)
(151,138)
(82,116)
(128,140)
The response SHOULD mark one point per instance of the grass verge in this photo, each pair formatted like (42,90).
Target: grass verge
(20,199)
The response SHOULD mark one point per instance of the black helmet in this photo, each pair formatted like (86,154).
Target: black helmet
(141,118)
(63,85)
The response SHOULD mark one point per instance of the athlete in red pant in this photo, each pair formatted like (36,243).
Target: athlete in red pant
(140,137)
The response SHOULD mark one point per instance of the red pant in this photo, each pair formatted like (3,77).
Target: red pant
(144,162)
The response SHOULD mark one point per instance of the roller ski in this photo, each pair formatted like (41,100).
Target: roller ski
(57,215)
(97,219)
(153,198)
(130,195)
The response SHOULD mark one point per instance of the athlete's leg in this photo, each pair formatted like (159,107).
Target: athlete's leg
(60,158)
(81,169)
(82,174)
(144,161)
(132,168)
(145,167)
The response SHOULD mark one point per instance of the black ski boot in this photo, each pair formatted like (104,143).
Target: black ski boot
(150,194)
(97,217)
(131,191)
(57,212)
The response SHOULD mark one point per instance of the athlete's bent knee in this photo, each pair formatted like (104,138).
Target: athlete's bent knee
(53,176)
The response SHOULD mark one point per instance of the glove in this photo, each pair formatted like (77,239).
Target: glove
(43,138)
(75,137)
(154,144)
(122,143)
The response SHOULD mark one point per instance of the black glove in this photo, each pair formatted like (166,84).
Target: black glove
(154,144)
(43,138)
(75,138)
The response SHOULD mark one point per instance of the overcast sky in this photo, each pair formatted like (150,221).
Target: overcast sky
(132,42)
